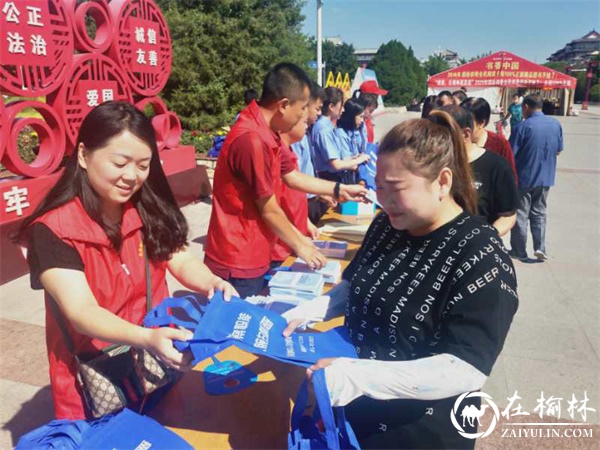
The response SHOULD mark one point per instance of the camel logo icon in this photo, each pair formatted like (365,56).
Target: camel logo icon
(469,414)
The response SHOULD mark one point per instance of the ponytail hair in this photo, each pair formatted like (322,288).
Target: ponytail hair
(333,96)
(431,144)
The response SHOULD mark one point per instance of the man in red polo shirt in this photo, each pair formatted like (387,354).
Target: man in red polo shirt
(246,217)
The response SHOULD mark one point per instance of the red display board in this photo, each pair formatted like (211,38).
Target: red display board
(129,54)
(142,44)
(99,12)
(93,79)
(36,46)
(502,69)
(3,128)
(51,139)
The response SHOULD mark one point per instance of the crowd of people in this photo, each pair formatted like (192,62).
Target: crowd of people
(428,300)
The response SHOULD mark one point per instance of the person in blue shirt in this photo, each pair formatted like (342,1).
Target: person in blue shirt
(304,149)
(515,113)
(348,127)
(330,163)
(348,134)
(536,143)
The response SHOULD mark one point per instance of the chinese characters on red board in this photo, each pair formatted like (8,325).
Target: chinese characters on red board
(28,34)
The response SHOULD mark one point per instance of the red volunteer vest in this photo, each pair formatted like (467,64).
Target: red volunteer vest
(237,236)
(118,282)
(295,206)
(370,130)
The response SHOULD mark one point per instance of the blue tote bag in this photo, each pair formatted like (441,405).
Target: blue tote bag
(306,434)
(125,430)
(366,171)
(236,322)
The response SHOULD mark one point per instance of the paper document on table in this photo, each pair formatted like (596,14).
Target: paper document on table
(332,249)
(331,272)
(372,196)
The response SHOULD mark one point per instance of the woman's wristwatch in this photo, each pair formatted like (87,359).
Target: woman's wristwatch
(336,191)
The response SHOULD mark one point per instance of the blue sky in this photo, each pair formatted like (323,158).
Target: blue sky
(531,29)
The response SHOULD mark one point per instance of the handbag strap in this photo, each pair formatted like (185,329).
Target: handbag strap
(148,281)
(63,327)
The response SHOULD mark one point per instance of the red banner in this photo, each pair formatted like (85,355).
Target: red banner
(502,69)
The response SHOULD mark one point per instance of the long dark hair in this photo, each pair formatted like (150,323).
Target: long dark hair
(164,226)
(432,144)
(352,108)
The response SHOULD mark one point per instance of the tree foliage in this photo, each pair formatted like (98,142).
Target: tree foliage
(435,64)
(482,55)
(399,72)
(337,58)
(223,47)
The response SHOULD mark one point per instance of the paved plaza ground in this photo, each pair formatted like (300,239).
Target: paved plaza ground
(553,345)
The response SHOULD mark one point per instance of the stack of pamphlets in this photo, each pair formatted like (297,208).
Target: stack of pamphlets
(302,285)
(332,249)
(331,272)
(348,232)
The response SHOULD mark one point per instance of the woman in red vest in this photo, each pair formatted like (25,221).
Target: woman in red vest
(87,243)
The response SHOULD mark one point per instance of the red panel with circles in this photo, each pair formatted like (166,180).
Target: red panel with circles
(51,135)
(166,124)
(36,46)
(94,79)
(99,11)
(3,127)
(141,45)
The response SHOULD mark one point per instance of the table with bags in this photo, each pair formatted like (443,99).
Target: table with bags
(254,408)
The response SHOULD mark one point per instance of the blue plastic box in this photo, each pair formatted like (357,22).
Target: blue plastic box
(356,209)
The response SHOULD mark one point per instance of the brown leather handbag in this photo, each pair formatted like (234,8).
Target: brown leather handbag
(121,376)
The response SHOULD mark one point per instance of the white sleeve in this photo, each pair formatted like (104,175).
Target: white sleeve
(322,308)
(431,378)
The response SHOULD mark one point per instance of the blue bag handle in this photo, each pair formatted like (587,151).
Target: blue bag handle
(325,409)
(159,316)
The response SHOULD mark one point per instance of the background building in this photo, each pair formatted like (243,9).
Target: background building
(335,40)
(449,56)
(578,50)
(364,55)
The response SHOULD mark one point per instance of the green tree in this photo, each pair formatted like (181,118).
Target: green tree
(399,72)
(559,66)
(435,64)
(337,58)
(482,55)
(223,47)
